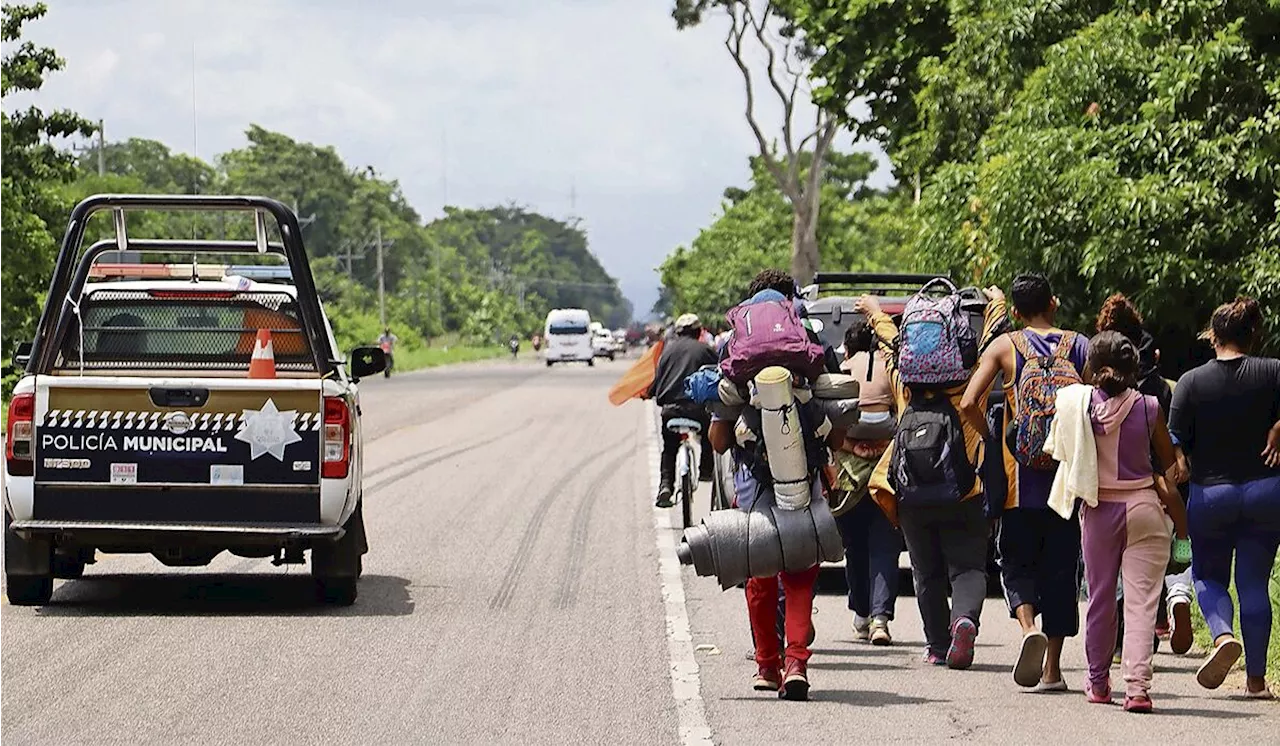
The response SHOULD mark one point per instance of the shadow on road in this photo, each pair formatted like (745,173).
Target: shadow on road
(221,595)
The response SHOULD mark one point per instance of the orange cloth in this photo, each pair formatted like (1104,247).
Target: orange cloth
(638,379)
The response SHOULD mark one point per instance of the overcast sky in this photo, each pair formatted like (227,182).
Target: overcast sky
(493,100)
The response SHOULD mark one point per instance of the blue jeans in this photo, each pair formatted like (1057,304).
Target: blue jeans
(1244,520)
(871,549)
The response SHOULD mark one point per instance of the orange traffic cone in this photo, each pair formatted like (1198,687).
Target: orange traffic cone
(262,364)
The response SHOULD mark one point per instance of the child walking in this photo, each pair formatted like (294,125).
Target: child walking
(1125,536)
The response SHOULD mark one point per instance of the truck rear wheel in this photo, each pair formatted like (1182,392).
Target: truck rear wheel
(28,570)
(336,566)
(28,590)
(67,567)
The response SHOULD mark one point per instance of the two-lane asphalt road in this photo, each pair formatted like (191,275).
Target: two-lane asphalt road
(513,594)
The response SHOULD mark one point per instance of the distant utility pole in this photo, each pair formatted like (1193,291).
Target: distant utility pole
(382,289)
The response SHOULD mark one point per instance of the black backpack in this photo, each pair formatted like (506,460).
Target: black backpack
(930,463)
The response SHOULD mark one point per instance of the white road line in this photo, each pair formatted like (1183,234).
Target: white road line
(686,686)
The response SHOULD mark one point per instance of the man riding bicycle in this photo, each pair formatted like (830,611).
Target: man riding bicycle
(682,355)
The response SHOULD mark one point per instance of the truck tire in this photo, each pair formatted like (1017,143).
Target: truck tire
(591,363)
(67,567)
(336,566)
(28,590)
(548,363)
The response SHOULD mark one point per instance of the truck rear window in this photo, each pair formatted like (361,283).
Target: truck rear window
(183,329)
(568,327)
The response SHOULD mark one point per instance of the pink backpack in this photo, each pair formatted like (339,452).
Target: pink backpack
(769,333)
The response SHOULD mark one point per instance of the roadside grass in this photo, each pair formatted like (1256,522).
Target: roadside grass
(1205,642)
(440,354)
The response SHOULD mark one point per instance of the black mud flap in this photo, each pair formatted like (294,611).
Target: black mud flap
(26,556)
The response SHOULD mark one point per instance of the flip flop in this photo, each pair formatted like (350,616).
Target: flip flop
(1030,666)
(1215,669)
(1042,686)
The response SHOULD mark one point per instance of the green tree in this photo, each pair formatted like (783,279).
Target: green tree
(861,230)
(1114,145)
(34,209)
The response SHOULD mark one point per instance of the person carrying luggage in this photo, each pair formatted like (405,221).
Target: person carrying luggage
(871,542)
(929,475)
(1039,551)
(778,669)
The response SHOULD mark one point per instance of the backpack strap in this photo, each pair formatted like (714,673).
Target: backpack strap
(1065,346)
(1019,340)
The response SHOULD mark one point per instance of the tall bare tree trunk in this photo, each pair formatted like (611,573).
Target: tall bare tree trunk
(804,244)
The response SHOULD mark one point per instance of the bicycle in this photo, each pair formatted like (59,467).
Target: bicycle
(686,464)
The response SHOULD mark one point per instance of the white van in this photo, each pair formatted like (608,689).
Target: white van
(568,335)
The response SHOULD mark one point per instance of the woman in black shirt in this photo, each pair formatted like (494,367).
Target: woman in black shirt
(1226,418)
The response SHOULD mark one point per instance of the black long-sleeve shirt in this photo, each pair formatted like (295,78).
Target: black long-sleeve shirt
(681,358)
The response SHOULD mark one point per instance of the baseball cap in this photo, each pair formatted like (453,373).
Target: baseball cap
(688,320)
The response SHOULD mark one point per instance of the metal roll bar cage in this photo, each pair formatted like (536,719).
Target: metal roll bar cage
(70,274)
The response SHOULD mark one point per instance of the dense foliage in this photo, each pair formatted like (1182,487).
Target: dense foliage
(1115,145)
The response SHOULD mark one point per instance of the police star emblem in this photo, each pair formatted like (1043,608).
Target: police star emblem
(268,430)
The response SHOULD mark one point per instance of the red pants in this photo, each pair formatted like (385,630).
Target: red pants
(762,606)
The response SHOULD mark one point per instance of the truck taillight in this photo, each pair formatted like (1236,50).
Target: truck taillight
(18,448)
(337,451)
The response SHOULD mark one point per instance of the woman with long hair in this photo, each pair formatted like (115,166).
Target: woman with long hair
(1226,418)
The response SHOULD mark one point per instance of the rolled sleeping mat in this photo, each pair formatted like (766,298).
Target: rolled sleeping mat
(843,413)
(764,551)
(798,538)
(783,439)
(835,386)
(830,543)
(733,545)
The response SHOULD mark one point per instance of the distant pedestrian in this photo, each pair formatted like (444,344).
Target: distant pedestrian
(1039,551)
(1226,418)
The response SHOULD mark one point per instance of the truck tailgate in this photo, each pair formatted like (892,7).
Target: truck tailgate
(177,449)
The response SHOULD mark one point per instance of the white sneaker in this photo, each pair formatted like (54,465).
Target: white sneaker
(861,628)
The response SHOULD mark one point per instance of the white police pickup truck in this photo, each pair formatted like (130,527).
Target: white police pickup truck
(152,419)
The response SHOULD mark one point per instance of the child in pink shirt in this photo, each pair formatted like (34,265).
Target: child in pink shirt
(1126,533)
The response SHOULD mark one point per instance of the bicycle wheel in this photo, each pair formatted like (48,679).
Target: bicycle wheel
(687,486)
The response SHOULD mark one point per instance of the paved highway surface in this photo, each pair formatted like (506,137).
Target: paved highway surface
(513,595)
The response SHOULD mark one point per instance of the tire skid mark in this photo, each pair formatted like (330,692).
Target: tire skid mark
(463,402)
(372,474)
(571,578)
(418,466)
(506,590)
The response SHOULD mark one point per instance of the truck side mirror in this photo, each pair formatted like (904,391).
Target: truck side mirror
(367,361)
(22,355)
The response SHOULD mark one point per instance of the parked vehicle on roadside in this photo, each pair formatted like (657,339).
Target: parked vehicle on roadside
(184,410)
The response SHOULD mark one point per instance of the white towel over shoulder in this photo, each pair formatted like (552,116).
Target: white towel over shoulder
(1071,443)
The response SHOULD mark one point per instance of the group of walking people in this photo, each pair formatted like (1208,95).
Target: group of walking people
(1084,467)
